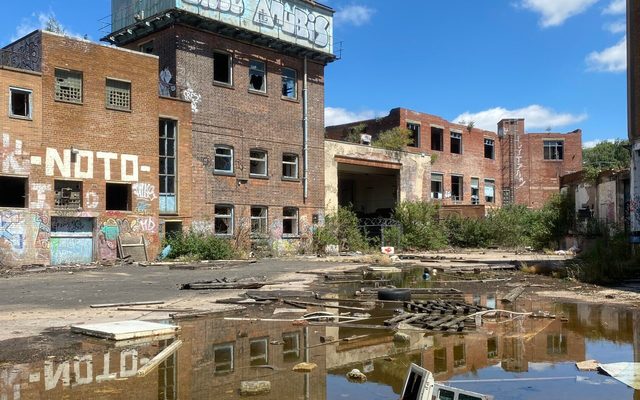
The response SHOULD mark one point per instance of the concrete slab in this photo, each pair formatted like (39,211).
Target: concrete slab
(125,330)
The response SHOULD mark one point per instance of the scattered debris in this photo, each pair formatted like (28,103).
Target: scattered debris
(123,330)
(588,365)
(356,376)
(438,315)
(159,358)
(254,388)
(304,367)
(386,270)
(135,303)
(625,372)
(223,283)
(513,295)
(402,338)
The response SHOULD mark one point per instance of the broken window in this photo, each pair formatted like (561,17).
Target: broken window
(437,136)
(415,134)
(148,47)
(553,149)
(259,221)
(506,196)
(289,83)
(20,103)
(556,344)
(492,347)
(223,359)
(118,197)
(290,166)
(440,360)
(456,188)
(291,347)
(456,143)
(259,352)
(257,76)
(489,148)
(489,191)
(436,186)
(258,162)
(14,192)
(68,194)
(172,228)
(224,159)
(459,356)
(118,94)
(222,72)
(290,221)
(68,86)
(223,220)
(168,166)
(475,191)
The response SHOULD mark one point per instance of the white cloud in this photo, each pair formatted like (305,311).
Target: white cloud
(611,59)
(38,21)
(353,14)
(339,116)
(592,143)
(536,117)
(616,7)
(555,12)
(617,26)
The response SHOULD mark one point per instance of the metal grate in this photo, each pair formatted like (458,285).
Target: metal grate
(68,86)
(118,94)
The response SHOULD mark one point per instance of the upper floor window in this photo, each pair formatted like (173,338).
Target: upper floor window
(223,159)
(257,76)
(20,103)
(168,166)
(415,134)
(437,135)
(456,142)
(290,166)
(489,149)
(222,71)
(68,86)
(118,94)
(147,47)
(258,163)
(289,83)
(553,149)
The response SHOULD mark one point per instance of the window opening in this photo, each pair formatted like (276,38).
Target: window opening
(223,223)
(168,166)
(489,191)
(20,100)
(553,150)
(489,149)
(118,197)
(456,188)
(222,67)
(223,359)
(436,186)
(437,135)
(224,159)
(258,162)
(259,352)
(291,347)
(257,76)
(289,83)
(456,143)
(14,192)
(68,194)
(68,86)
(475,191)
(118,95)
(415,134)
(290,166)
(290,221)
(259,221)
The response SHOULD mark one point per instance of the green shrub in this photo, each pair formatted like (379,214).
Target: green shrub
(340,229)
(609,259)
(467,232)
(394,139)
(420,226)
(199,246)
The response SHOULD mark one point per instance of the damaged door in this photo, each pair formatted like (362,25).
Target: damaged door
(71,240)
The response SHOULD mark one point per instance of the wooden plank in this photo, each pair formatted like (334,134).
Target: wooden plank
(135,303)
(159,358)
(297,303)
(513,295)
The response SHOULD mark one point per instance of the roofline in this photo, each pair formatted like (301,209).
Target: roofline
(22,38)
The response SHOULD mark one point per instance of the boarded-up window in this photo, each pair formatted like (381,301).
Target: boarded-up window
(68,86)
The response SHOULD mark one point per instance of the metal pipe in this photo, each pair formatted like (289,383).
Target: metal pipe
(305,130)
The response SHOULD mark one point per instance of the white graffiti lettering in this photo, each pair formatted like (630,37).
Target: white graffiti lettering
(82,162)
(230,6)
(145,191)
(294,21)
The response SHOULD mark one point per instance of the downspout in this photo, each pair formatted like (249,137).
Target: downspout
(305,132)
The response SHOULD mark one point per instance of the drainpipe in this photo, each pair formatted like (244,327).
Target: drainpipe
(305,130)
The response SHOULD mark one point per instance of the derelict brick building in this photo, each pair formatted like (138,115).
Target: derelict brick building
(254,73)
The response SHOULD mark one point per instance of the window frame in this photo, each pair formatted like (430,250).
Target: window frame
(263,221)
(296,218)
(57,85)
(440,142)
(253,62)
(56,183)
(230,156)
(166,176)
(129,194)
(492,182)
(230,217)
(460,185)
(293,354)
(553,145)
(143,47)
(454,135)
(264,357)
(231,362)
(415,134)
(296,164)
(108,93)
(229,68)
(441,181)
(25,203)
(294,79)
(491,145)
(29,94)
(475,201)
(265,161)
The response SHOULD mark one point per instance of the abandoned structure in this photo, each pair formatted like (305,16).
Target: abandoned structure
(633,112)
(469,169)
(81,169)
(254,75)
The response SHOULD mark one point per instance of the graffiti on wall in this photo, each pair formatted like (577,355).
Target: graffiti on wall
(91,200)
(145,191)
(12,230)
(24,237)
(166,87)
(83,163)
(13,159)
(189,94)
(520,181)
(39,195)
(112,228)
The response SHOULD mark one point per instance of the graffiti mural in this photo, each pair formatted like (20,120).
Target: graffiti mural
(12,230)
(166,87)
(24,237)
(12,157)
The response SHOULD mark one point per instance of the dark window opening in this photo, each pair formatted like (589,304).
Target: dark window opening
(20,103)
(440,360)
(492,347)
(222,68)
(223,220)
(68,194)
(456,143)
(436,186)
(553,150)
(147,47)
(257,76)
(437,135)
(291,347)
(223,359)
(289,83)
(456,188)
(489,149)
(259,221)
(415,134)
(459,356)
(14,192)
(290,221)
(172,228)
(475,191)
(259,352)
(223,159)
(118,197)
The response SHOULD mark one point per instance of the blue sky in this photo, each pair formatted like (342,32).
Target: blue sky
(558,63)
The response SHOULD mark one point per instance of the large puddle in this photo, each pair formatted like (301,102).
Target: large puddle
(523,359)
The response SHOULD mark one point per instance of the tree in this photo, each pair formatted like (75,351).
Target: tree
(53,25)
(604,156)
(394,139)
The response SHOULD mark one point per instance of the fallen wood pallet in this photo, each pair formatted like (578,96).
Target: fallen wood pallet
(438,315)
(438,291)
